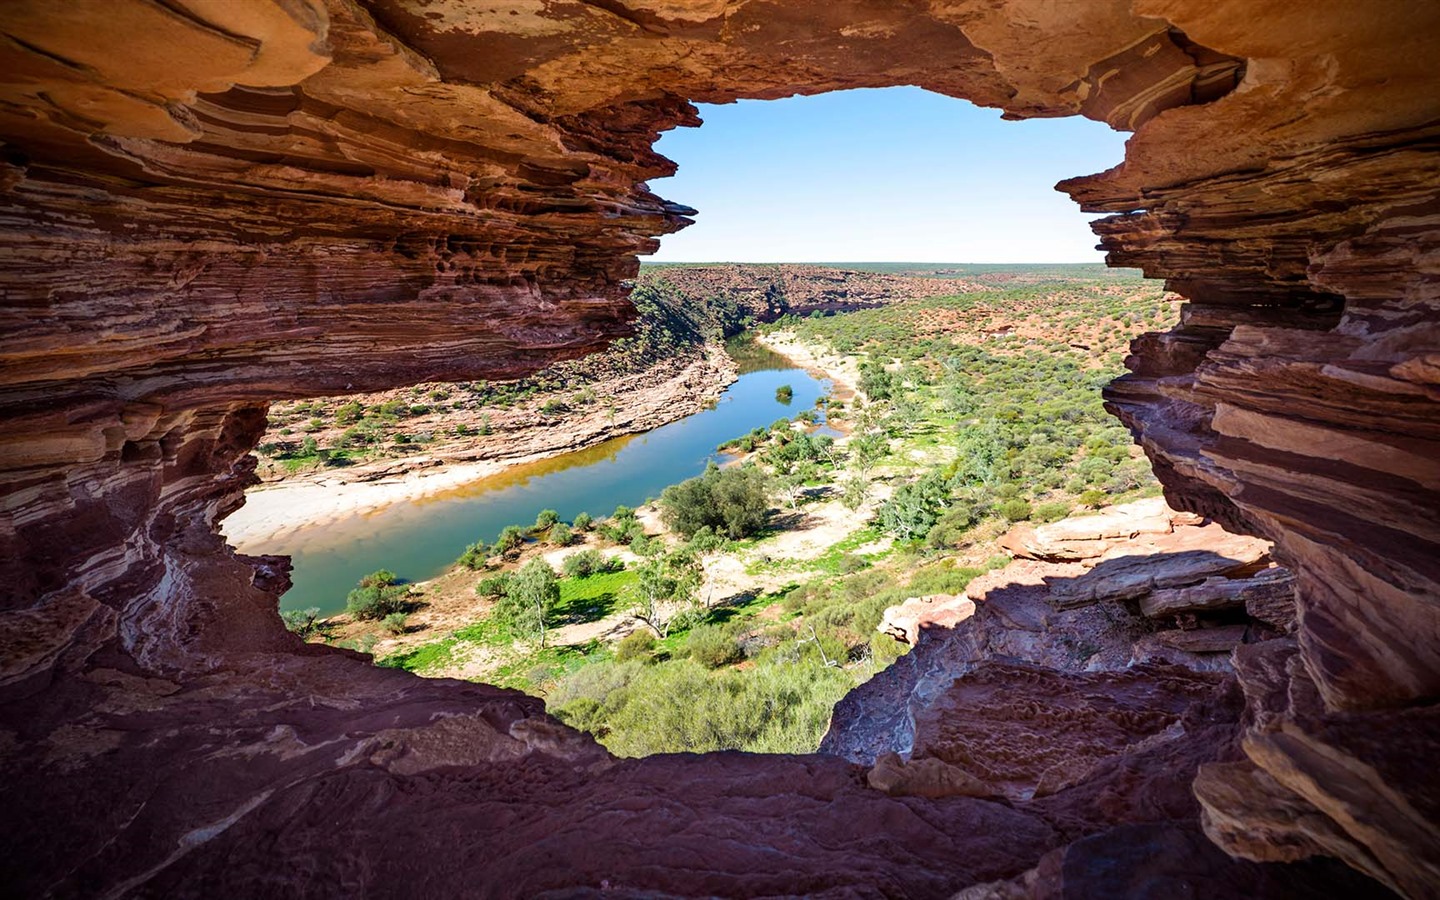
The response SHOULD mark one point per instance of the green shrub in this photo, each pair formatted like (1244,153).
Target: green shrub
(512,537)
(377,596)
(302,622)
(1093,499)
(395,623)
(644,545)
(1014,510)
(589,562)
(733,501)
(705,540)
(784,394)
(493,586)
(349,413)
(545,519)
(638,644)
(583,521)
(530,595)
(561,535)
(712,646)
(1051,512)
(475,556)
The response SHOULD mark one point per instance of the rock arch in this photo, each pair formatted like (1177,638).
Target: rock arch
(208,206)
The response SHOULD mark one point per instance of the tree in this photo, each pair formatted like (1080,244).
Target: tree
(1015,510)
(868,449)
(664,587)
(589,562)
(302,622)
(377,596)
(734,501)
(856,492)
(793,482)
(529,597)
(914,508)
(875,382)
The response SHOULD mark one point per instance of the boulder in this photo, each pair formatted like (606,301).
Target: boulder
(904,622)
(1267,589)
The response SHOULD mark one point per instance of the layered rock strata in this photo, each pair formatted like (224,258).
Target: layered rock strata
(207,206)
(766,292)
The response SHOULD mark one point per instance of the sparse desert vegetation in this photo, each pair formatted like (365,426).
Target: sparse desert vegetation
(734,610)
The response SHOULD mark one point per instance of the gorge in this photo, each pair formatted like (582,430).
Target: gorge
(210,207)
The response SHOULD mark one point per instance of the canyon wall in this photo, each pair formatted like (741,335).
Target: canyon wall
(211,205)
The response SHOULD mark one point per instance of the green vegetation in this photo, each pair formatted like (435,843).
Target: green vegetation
(302,622)
(731,501)
(378,595)
(529,597)
(977,411)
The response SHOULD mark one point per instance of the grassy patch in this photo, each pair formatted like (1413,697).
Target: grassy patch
(591,598)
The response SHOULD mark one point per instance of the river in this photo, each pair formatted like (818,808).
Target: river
(419,539)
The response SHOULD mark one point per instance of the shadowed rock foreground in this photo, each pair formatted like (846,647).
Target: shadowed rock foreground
(209,206)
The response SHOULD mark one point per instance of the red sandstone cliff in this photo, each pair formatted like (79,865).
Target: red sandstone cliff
(207,206)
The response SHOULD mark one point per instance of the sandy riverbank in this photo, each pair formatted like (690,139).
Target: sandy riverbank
(274,512)
(842,371)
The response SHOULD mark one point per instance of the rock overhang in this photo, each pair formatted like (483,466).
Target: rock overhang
(208,206)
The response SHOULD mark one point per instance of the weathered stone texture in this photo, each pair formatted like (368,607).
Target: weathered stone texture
(205,206)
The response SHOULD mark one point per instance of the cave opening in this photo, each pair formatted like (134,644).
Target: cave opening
(866,199)
(322,196)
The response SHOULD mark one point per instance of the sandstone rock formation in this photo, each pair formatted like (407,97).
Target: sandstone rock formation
(767,292)
(1072,613)
(211,205)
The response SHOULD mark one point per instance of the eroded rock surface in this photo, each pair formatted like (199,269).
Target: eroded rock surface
(207,206)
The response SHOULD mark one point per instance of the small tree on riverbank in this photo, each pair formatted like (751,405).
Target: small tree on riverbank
(664,589)
(379,594)
(733,501)
(530,595)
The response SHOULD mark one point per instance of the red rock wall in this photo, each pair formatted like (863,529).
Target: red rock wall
(208,205)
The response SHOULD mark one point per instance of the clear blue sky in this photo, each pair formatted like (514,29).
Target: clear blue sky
(892,175)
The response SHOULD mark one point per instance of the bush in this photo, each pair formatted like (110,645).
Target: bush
(349,413)
(512,537)
(1051,512)
(638,644)
(705,540)
(712,647)
(784,394)
(493,586)
(1014,510)
(732,501)
(377,596)
(584,522)
(546,518)
(644,545)
(1093,499)
(395,623)
(680,707)
(302,622)
(561,535)
(589,562)
(475,556)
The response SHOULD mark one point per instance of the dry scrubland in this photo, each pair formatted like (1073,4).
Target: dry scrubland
(735,611)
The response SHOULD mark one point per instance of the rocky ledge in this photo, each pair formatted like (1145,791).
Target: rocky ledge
(209,206)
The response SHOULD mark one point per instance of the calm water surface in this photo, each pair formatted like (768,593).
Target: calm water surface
(419,539)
